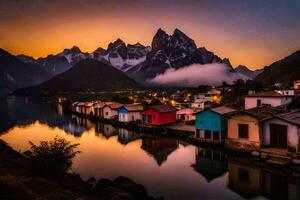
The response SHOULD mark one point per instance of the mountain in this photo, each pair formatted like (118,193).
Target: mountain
(251,74)
(86,75)
(123,56)
(15,74)
(172,51)
(139,62)
(61,62)
(285,70)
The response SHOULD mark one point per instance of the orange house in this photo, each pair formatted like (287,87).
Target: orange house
(245,128)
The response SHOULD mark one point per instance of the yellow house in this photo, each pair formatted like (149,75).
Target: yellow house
(244,180)
(245,128)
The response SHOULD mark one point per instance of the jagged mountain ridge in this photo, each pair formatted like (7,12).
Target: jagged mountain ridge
(15,74)
(138,61)
(251,74)
(173,51)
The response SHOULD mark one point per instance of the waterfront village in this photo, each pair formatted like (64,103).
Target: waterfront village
(266,127)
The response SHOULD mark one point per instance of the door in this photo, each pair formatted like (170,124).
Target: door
(278,134)
(149,118)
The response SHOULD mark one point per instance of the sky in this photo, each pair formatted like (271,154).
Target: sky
(254,33)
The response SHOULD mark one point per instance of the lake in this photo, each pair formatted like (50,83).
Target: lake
(165,165)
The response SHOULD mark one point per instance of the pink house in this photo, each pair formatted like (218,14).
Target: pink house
(270,98)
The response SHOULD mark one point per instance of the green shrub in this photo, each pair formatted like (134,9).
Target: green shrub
(51,159)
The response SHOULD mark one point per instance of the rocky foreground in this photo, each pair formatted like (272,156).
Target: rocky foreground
(16,183)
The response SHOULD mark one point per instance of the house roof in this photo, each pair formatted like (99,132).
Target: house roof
(260,113)
(88,104)
(99,104)
(80,103)
(114,105)
(267,94)
(75,103)
(134,107)
(163,108)
(291,117)
(222,110)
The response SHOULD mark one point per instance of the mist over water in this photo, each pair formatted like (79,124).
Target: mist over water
(197,74)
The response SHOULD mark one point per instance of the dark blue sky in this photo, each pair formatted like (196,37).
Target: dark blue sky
(250,32)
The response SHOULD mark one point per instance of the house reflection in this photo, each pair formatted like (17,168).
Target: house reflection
(210,163)
(84,122)
(125,136)
(159,147)
(250,181)
(107,130)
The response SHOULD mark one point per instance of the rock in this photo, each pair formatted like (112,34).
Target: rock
(124,181)
(104,183)
(91,180)
(138,191)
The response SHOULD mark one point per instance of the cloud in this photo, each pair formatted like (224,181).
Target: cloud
(197,74)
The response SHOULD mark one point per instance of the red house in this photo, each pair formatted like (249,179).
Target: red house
(159,115)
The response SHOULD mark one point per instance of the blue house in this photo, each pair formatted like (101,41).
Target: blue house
(131,112)
(211,125)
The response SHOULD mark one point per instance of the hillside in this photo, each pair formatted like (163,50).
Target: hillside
(251,74)
(285,70)
(86,75)
(15,74)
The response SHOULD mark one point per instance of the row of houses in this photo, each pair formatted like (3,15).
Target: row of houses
(153,116)
(263,124)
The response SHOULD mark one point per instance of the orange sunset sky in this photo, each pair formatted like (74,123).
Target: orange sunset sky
(253,33)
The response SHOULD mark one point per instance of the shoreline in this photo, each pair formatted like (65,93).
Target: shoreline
(17,183)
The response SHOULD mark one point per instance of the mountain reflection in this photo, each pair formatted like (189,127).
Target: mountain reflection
(170,166)
(24,111)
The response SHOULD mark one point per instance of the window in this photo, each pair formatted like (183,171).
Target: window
(132,117)
(243,130)
(207,134)
(106,113)
(216,135)
(244,175)
(258,102)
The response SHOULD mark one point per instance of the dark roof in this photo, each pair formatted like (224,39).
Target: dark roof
(259,113)
(292,117)
(267,94)
(133,107)
(164,108)
(222,110)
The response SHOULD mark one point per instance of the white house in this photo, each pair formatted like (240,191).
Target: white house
(131,112)
(282,132)
(201,99)
(270,98)
(111,110)
(185,114)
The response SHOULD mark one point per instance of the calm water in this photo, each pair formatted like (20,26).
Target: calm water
(165,165)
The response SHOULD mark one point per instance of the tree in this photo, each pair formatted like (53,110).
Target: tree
(238,90)
(52,159)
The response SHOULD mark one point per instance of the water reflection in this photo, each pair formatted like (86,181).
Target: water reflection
(159,147)
(166,165)
(251,180)
(210,163)
(125,136)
